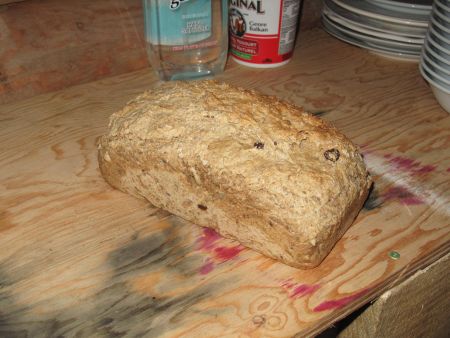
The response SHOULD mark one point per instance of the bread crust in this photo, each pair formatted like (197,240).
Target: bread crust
(250,166)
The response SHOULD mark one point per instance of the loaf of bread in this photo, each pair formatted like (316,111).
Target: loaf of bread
(250,166)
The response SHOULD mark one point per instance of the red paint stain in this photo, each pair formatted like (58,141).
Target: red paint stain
(226,253)
(299,290)
(209,242)
(206,268)
(303,290)
(448,169)
(403,163)
(208,239)
(425,169)
(403,195)
(409,165)
(338,303)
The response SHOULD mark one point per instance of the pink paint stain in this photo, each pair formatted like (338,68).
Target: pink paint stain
(338,303)
(409,165)
(299,290)
(303,290)
(425,169)
(403,195)
(208,239)
(208,242)
(226,253)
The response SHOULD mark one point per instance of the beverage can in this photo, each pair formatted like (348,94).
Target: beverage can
(262,32)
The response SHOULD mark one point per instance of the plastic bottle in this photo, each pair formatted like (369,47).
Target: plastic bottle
(262,32)
(186,39)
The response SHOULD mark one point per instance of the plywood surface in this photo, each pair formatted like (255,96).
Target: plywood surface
(78,258)
(5,2)
(48,45)
(417,307)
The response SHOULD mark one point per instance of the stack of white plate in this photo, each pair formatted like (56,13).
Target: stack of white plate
(394,28)
(435,59)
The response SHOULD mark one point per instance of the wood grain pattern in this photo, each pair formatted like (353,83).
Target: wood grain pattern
(48,45)
(6,2)
(418,306)
(80,259)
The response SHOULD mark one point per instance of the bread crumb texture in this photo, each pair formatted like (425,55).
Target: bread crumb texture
(250,166)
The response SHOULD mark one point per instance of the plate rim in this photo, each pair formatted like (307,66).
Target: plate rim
(374,32)
(373,23)
(405,21)
(404,4)
(432,81)
(405,55)
(393,44)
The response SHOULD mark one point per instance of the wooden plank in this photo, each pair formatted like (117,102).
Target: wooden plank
(310,13)
(78,258)
(418,307)
(49,45)
(6,2)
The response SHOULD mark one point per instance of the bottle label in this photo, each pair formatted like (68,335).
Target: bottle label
(263,31)
(179,23)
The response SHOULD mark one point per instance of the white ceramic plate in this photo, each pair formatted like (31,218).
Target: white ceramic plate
(440,28)
(432,80)
(443,42)
(385,51)
(374,24)
(434,54)
(371,11)
(442,19)
(441,9)
(445,2)
(442,97)
(434,67)
(435,75)
(394,45)
(406,7)
(422,4)
(391,36)
(440,4)
(430,48)
(436,47)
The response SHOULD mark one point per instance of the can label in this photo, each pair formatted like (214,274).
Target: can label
(263,31)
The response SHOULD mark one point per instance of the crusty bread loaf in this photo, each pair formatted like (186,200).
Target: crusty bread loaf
(252,167)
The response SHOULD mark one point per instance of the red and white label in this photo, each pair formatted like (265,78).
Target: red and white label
(262,32)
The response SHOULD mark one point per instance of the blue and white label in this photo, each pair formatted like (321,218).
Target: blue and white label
(174,4)
(177,22)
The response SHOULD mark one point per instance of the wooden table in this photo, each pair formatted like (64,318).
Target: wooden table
(80,259)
